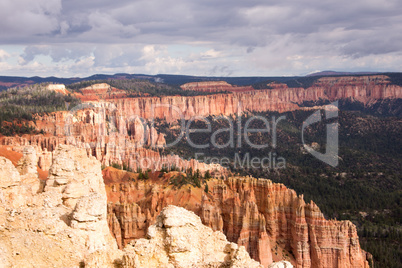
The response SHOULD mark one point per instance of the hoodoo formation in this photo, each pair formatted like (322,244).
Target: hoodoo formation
(200,134)
(62,222)
(272,222)
(53,192)
(118,129)
(68,212)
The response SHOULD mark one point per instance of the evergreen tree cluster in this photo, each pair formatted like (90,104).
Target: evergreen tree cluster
(19,105)
(190,178)
(141,87)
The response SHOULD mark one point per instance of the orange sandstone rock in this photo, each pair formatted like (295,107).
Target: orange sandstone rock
(258,214)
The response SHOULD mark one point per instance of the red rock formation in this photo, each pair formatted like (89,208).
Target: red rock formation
(362,88)
(115,131)
(174,108)
(281,98)
(100,91)
(261,215)
(113,149)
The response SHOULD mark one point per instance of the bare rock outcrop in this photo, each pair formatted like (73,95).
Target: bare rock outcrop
(8,174)
(281,264)
(63,224)
(366,89)
(59,88)
(100,91)
(179,239)
(58,225)
(271,221)
(28,162)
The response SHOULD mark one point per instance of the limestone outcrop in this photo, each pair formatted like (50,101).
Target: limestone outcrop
(272,222)
(58,88)
(9,174)
(63,222)
(58,224)
(281,264)
(179,239)
(105,133)
(28,162)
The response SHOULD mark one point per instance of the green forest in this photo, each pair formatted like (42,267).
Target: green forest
(19,106)
(140,87)
(365,187)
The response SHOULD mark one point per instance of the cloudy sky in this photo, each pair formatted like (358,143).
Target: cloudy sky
(205,37)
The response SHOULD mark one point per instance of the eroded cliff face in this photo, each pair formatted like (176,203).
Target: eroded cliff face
(271,221)
(362,88)
(172,108)
(118,130)
(58,88)
(92,121)
(366,89)
(61,222)
(57,223)
(110,150)
(106,133)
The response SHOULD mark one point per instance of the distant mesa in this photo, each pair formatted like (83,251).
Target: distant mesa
(215,86)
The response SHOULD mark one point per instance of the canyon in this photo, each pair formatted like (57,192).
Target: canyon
(61,222)
(119,130)
(272,222)
(72,209)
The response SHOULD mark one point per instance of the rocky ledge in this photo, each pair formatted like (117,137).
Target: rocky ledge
(179,239)
(57,223)
(62,222)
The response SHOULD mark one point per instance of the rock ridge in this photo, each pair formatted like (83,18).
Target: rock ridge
(272,222)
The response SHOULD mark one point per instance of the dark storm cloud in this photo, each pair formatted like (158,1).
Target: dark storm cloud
(25,21)
(73,29)
(207,16)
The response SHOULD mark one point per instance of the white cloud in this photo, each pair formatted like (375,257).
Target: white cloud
(228,37)
(4,55)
